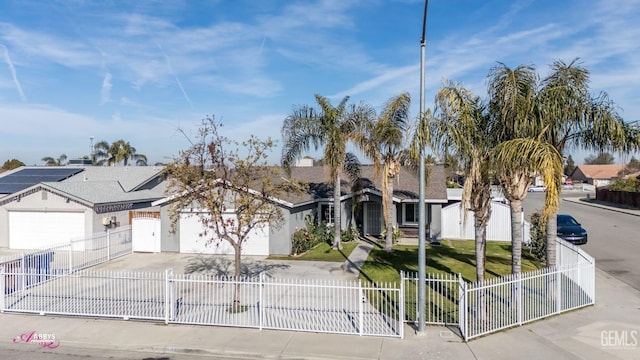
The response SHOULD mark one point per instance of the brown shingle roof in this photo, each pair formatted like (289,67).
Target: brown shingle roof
(601,171)
(406,184)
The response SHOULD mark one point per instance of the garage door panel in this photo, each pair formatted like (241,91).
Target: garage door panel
(39,229)
(191,241)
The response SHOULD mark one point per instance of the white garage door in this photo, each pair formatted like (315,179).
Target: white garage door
(38,229)
(257,243)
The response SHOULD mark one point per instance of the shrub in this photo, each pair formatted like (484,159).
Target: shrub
(306,238)
(538,245)
(348,235)
(303,240)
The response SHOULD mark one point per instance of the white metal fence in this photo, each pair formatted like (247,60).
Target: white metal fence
(66,258)
(499,303)
(346,307)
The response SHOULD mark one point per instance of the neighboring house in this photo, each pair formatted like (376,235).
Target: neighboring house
(317,204)
(596,175)
(44,206)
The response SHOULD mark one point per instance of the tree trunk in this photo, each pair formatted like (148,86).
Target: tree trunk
(481,252)
(337,221)
(238,274)
(386,209)
(481,256)
(552,234)
(516,236)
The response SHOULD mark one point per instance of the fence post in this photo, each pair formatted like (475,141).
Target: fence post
(169,299)
(462,307)
(70,252)
(108,245)
(360,307)
(519,298)
(23,272)
(401,299)
(260,307)
(558,290)
(2,288)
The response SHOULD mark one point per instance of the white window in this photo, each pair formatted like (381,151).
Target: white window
(326,213)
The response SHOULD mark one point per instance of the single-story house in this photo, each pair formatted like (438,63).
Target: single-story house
(596,175)
(45,206)
(317,203)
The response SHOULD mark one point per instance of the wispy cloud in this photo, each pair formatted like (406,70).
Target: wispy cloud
(105,92)
(170,67)
(14,76)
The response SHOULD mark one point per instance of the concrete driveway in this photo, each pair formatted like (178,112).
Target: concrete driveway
(222,265)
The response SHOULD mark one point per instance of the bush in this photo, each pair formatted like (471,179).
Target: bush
(306,238)
(303,240)
(348,235)
(538,245)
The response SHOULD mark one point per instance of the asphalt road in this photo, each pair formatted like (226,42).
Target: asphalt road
(614,239)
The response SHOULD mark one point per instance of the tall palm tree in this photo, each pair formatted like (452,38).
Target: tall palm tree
(461,126)
(514,160)
(328,126)
(384,144)
(572,117)
(512,100)
(60,161)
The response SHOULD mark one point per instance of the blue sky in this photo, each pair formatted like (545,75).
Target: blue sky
(140,70)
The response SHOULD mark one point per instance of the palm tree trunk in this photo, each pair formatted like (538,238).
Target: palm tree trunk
(481,256)
(337,220)
(516,236)
(481,251)
(386,208)
(552,234)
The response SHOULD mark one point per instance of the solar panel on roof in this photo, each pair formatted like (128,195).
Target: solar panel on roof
(25,178)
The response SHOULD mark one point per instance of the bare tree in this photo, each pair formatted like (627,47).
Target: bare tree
(229,186)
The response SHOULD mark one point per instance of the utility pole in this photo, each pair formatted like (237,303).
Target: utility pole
(422,253)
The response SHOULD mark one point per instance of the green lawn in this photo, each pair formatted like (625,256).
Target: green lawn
(322,252)
(450,257)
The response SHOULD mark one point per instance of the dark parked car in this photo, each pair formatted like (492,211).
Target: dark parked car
(570,230)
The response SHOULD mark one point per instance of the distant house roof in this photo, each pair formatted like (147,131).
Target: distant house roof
(608,171)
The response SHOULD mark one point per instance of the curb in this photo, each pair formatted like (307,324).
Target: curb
(632,212)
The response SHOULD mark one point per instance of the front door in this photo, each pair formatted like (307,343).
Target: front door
(373,217)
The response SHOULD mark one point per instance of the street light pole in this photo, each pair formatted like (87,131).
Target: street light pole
(422,255)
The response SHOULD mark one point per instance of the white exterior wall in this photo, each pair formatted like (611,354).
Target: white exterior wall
(498,229)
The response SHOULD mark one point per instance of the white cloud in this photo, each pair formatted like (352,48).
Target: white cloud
(14,75)
(105,92)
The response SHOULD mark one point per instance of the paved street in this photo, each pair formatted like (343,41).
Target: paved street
(613,235)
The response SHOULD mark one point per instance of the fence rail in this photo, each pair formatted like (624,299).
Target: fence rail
(66,258)
(345,307)
(499,303)
(57,281)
